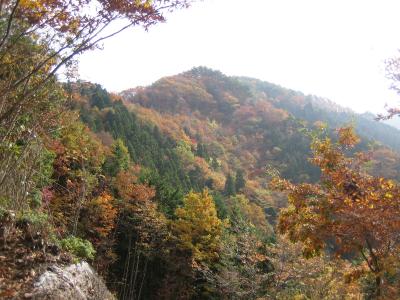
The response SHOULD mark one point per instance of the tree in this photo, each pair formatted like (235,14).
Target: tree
(77,166)
(350,212)
(68,28)
(37,39)
(245,267)
(198,228)
(22,131)
(240,182)
(98,220)
(229,189)
(242,211)
(393,74)
(101,215)
(119,159)
(295,277)
(202,151)
(140,233)
(244,270)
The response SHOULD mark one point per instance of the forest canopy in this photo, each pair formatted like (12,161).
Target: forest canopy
(166,189)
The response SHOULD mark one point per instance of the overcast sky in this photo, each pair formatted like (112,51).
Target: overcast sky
(335,49)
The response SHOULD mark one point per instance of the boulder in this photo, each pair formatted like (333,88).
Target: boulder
(78,281)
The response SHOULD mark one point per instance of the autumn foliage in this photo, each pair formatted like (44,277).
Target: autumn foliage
(162,189)
(198,227)
(349,213)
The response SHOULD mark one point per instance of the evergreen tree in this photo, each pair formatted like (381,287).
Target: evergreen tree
(201,151)
(119,160)
(214,163)
(240,182)
(229,186)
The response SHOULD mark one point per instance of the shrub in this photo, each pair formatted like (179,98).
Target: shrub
(37,221)
(79,247)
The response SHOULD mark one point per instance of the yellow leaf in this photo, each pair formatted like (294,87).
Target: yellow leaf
(388,195)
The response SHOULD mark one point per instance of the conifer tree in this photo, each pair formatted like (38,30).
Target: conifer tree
(229,186)
(119,160)
(240,182)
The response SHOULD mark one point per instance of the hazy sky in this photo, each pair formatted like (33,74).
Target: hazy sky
(335,49)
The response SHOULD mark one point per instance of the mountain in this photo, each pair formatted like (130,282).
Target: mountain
(224,124)
(247,123)
(216,96)
(313,108)
(165,189)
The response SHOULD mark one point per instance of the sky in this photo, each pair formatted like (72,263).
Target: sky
(330,48)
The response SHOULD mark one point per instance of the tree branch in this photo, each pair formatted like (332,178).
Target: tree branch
(10,19)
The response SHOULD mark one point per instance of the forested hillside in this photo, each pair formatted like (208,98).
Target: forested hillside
(199,186)
(256,123)
(179,191)
(313,108)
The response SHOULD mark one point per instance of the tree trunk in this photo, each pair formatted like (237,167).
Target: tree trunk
(378,281)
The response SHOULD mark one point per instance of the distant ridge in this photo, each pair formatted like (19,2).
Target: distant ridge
(210,92)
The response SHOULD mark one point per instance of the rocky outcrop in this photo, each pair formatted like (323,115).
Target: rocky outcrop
(77,281)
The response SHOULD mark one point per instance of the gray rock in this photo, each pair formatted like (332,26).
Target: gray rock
(78,281)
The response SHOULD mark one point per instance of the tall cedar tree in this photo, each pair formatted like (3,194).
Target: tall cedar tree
(118,160)
(240,182)
(229,189)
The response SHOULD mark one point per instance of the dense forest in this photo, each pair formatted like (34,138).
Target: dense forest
(199,186)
